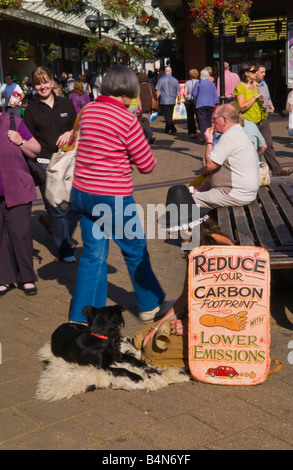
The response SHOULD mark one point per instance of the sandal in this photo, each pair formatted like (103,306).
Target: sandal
(8,287)
(30,290)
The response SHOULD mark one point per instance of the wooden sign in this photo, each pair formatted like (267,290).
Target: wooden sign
(229,314)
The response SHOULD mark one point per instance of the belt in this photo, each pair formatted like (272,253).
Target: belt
(43,160)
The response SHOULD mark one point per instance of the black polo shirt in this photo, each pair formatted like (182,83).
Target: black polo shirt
(47,124)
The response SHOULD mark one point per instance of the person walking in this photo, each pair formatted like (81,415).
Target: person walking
(231,79)
(168,92)
(189,102)
(111,141)
(264,125)
(79,97)
(17,191)
(205,96)
(50,119)
(147,93)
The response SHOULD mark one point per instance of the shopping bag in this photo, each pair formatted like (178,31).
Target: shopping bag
(59,176)
(290,132)
(179,111)
(264,173)
(60,171)
(199,180)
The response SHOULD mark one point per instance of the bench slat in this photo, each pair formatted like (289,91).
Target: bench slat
(244,233)
(275,218)
(224,221)
(264,236)
(284,203)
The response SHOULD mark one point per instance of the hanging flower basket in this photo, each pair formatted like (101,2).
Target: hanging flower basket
(21,49)
(52,53)
(14,4)
(66,6)
(208,14)
(125,8)
(93,46)
(149,20)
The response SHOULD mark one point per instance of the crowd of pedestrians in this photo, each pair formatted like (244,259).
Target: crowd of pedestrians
(236,134)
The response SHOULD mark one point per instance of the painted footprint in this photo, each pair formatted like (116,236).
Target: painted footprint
(235,322)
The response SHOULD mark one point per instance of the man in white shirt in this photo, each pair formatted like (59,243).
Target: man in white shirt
(232,163)
(11,87)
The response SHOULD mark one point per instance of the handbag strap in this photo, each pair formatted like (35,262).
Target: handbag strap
(12,123)
(73,138)
(195,99)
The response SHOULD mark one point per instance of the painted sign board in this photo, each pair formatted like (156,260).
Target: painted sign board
(229,314)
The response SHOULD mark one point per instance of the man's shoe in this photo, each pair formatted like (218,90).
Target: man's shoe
(156,313)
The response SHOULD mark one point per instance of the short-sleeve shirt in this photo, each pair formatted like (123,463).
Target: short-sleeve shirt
(238,174)
(46,124)
(168,87)
(9,89)
(254,112)
(254,134)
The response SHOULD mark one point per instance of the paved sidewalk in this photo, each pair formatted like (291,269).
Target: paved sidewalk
(189,416)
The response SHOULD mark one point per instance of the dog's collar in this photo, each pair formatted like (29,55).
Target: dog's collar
(99,336)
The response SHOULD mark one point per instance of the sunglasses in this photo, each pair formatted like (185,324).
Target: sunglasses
(252,71)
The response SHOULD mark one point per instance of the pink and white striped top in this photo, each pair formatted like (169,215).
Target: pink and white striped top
(110,136)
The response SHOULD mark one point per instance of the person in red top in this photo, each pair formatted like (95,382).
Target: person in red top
(111,141)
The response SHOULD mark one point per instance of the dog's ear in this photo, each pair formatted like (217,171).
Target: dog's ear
(117,314)
(89,313)
(121,307)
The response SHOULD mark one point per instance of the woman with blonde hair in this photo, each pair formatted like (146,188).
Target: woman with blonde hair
(50,119)
(79,97)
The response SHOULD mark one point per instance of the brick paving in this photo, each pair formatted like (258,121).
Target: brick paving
(187,417)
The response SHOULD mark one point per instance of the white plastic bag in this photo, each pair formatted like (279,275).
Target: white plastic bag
(290,127)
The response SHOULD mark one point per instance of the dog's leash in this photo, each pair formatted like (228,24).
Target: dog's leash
(99,336)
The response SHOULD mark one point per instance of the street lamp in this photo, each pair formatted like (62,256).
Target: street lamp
(146,43)
(99,21)
(128,33)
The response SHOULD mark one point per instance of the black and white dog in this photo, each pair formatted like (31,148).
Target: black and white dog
(98,344)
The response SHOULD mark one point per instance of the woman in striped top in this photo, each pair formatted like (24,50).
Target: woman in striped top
(111,139)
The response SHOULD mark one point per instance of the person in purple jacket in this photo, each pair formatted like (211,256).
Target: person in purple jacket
(17,191)
(79,97)
(206,97)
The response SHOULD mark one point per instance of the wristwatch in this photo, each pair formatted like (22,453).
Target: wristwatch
(21,143)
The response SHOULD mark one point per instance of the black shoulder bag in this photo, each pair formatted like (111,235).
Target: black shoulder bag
(36,170)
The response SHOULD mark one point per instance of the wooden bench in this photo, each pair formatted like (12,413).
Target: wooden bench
(266,222)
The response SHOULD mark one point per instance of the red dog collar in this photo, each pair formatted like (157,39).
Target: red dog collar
(99,336)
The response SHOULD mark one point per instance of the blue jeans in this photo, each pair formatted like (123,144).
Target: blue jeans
(63,223)
(101,218)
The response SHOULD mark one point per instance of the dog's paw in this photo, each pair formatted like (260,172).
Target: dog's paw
(134,377)
(152,371)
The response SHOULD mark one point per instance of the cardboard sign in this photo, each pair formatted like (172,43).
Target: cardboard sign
(229,314)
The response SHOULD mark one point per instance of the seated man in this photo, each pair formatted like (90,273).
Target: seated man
(232,163)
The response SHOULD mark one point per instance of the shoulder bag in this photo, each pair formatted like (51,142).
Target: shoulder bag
(155,104)
(264,174)
(36,170)
(60,171)
(195,97)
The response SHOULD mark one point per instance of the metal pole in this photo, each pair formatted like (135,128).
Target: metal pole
(221,63)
